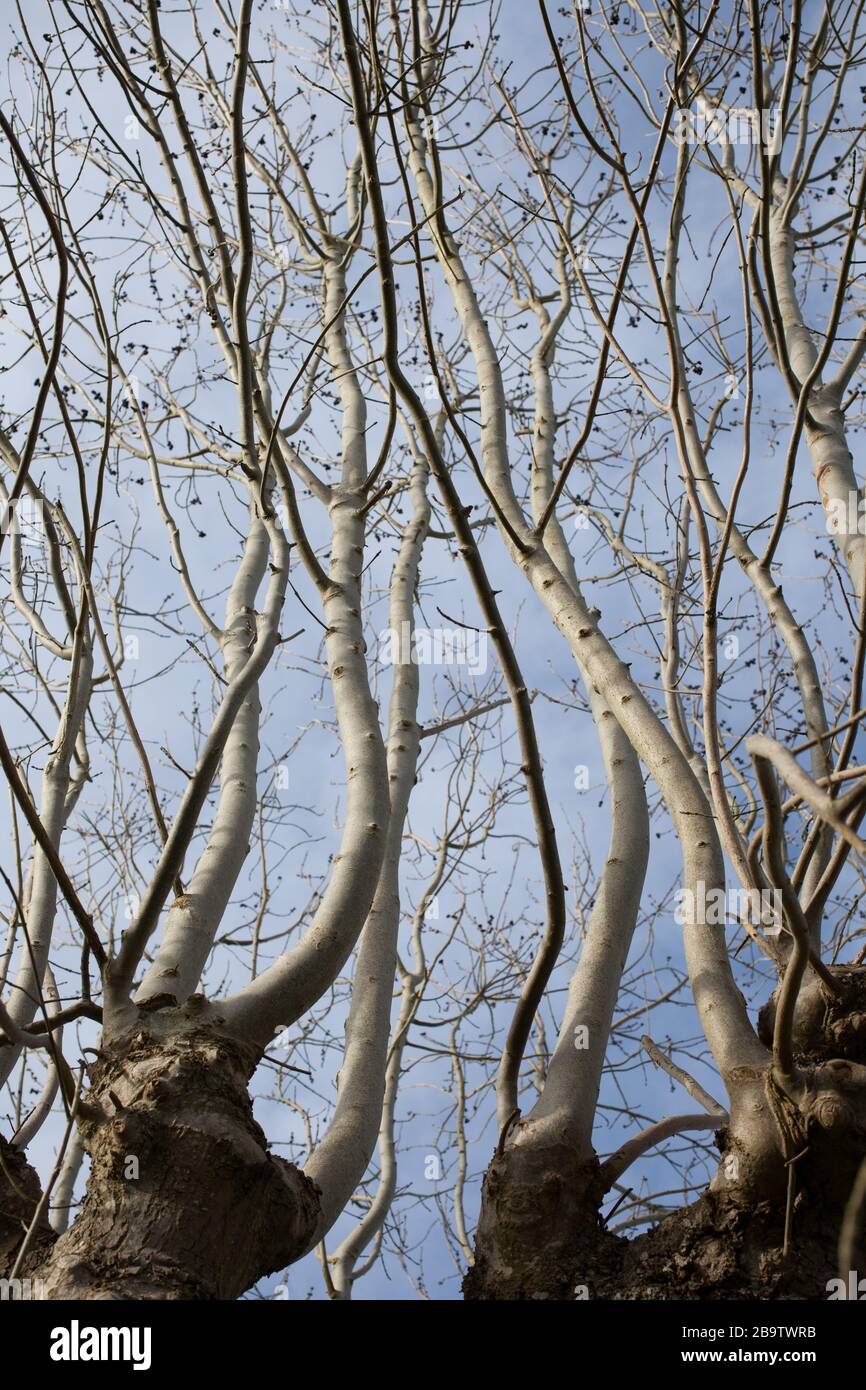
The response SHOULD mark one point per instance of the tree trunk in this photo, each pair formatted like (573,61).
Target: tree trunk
(184,1200)
(540,1234)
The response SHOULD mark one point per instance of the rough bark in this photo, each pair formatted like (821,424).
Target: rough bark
(20,1191)
(184,1199)
(541,1235)
(539,1232)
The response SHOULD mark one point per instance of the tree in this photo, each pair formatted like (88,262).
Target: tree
(425,307)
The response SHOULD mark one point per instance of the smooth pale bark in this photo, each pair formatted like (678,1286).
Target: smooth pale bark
(339,1162)
(42,1109)
(832,460)
(613,1168)
(782,618)
(293,983)
(285,991)
(772,597)
(59,792)
(61,1200)
(546,955)
(25,608)
(702,490)
(343,1263)
(566,1106)
(121,970)
(720,1005)
(193,920)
